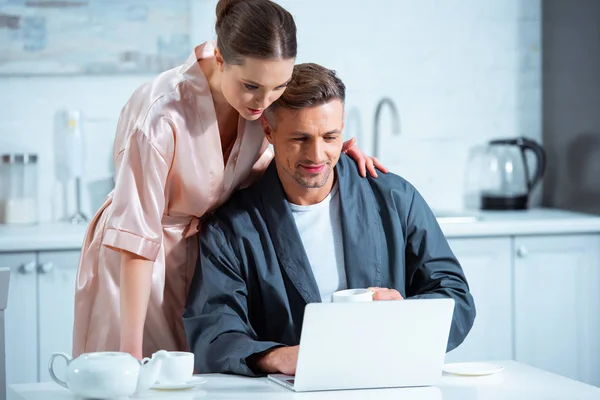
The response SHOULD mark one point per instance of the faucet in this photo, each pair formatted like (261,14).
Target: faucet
(395,122)
(353,121)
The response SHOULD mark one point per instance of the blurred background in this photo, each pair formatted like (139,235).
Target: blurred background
(459,74)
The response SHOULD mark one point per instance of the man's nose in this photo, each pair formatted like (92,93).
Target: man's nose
(315,151)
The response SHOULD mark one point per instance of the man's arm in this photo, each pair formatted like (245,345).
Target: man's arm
(432,270)
(216,318)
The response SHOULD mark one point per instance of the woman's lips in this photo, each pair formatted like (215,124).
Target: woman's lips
(254,111)
(313,169)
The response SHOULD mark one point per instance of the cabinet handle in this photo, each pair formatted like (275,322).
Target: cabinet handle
(522,252)
(27,268)
(46,267)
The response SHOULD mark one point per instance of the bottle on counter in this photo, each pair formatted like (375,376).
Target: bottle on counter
(18,188)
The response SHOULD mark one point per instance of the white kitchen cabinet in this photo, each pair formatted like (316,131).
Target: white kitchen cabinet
(21,318)
(557,304)
(57,272)
(39,314)
(487,265)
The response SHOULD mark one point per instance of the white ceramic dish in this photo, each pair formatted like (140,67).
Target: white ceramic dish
(195,381)
(472,368)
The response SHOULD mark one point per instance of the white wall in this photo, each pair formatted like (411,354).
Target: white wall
(460,72)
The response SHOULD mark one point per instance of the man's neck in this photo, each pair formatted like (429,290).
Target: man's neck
(304,196)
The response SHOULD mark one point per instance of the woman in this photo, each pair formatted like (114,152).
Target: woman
(185,141)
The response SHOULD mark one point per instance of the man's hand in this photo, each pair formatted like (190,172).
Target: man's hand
(385,294)
(281,360)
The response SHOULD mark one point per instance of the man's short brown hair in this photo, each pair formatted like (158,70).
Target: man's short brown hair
(311,85)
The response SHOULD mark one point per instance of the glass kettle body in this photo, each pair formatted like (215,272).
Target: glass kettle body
(506,182)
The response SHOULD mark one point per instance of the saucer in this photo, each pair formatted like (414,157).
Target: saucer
(472,368)
(195,381)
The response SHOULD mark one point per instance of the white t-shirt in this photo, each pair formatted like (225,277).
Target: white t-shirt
(320,228)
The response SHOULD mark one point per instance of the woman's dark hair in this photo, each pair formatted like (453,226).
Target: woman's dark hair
(254,28)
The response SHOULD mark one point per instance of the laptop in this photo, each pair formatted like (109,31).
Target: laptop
(380,344)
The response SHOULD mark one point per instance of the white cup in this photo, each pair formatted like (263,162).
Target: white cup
(352,296)
(177,368)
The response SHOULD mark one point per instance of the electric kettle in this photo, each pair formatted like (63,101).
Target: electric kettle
(505,180)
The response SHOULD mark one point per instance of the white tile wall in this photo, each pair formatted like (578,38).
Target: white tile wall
(460,73)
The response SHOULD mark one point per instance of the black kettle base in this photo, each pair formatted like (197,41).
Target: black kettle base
(503,202)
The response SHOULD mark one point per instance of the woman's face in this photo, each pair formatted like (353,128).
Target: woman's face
(251,87)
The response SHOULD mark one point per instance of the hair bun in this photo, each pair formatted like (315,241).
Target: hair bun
(223,7)
(254,28)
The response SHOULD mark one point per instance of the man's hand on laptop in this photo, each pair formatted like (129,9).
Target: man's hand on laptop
(385,294)
(281,360)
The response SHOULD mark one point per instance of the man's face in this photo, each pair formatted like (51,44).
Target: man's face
(307,144)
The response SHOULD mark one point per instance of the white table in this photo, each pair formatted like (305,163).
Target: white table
(517,381)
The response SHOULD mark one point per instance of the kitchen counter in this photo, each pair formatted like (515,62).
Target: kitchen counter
(528,222)
(63,236)
(47,236)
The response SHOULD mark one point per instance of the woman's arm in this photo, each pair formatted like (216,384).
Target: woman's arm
(135,228)
(136,283)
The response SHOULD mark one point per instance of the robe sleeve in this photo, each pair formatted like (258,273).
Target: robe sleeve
(216,317)
(432,270)
(139,195)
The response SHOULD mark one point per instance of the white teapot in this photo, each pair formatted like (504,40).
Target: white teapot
(107,375)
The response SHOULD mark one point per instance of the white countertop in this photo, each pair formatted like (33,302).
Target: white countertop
(528,222)
(47,236)
(64,236)
(517,381)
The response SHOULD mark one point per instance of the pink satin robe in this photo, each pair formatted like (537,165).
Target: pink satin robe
(170,171)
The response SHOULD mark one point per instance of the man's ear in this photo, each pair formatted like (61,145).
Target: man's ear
(219,59)
(267,129)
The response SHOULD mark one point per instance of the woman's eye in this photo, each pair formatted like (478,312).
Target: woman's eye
(250,87)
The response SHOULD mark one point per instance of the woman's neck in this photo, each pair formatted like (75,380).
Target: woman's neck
(227,116)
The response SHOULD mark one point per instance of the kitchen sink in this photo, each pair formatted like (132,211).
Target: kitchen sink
(459,217)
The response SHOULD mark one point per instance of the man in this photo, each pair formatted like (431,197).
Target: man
(309,227)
